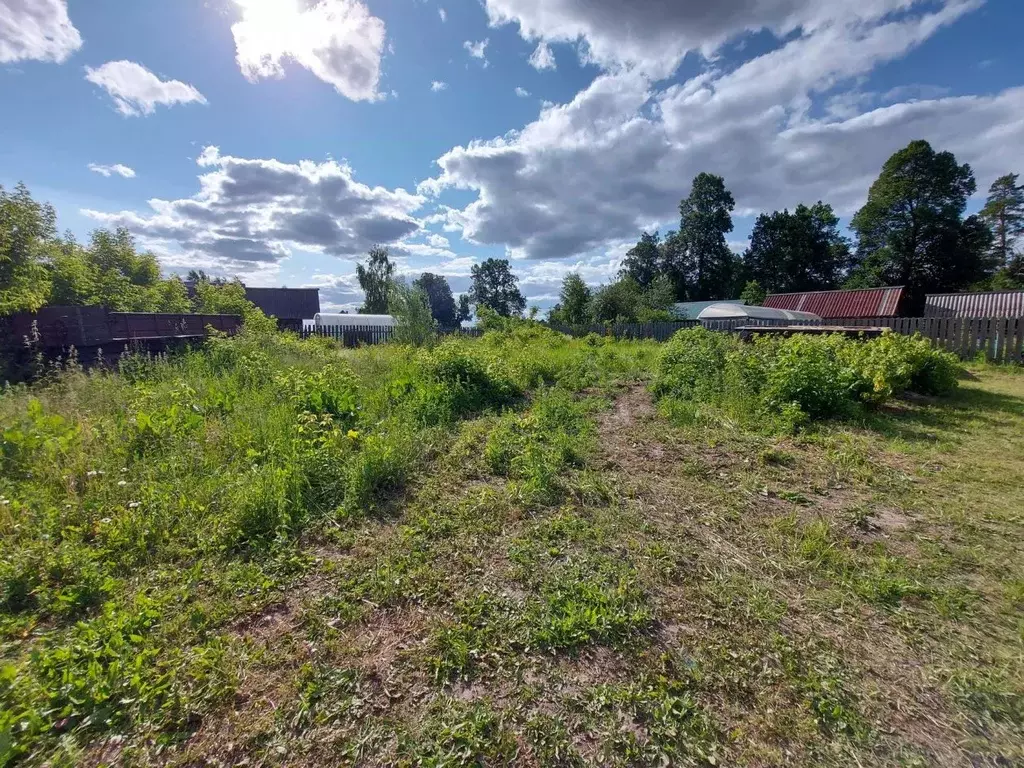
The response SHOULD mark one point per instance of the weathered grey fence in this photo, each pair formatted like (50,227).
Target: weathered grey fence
(657,331)
(999,339)
(354,335)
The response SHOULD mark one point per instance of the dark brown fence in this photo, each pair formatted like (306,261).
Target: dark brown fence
(85,327)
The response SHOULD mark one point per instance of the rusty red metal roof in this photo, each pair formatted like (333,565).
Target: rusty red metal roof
(870,302)
(987,304)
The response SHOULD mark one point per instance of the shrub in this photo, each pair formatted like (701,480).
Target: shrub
(331,391)
(466,382)
(381,466)
(806,372)
(692,365)
(787,382)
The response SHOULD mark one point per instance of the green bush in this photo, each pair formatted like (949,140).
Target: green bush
(456,378)
(380,467)
(692,364)
(804,372)
(788,382)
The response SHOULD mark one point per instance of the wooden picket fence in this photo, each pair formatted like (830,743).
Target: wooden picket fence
(998,339)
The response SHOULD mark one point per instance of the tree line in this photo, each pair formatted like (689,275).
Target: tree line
(38,267)
(912,231)
(493,286)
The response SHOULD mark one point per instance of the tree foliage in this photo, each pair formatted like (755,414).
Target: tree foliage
(440,298)
(414,320)
(375,280)
(753,294)
(625,301)
(705,219)
(37,267)
(643,261)
(911,231)
(1004,213)
(495,287)
(27,230)
(465,312)
(798,251)
(573,307)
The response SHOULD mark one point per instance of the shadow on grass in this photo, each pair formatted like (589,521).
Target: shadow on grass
(918,418)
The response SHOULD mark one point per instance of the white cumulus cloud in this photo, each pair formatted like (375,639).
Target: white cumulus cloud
(339,41)
(251,212)
(36,30)
(542,58)
(136,91)
(112,170)
(438,85)
(655,34)
(521,92)
(615,160)
(477,50)
(443,14)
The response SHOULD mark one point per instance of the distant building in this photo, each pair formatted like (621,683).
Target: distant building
(984,304)
(289,305)
(689,310)
(869,302)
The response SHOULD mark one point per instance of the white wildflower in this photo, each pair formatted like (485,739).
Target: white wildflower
(122,483)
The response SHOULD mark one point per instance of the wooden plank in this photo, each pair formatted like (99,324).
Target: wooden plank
(992,338)
(1018,342)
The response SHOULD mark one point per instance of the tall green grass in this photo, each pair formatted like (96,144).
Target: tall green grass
(145,508)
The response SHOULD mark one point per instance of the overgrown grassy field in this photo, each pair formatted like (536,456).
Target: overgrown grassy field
(506,551)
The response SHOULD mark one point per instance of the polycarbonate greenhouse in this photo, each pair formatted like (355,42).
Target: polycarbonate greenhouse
(723,311)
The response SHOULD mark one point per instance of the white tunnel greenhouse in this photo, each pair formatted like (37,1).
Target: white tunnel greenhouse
(325,320)
(722,311)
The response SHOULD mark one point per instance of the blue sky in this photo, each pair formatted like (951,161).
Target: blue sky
(277,139)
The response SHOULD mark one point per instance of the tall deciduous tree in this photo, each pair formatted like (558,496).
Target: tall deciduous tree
(643,261)
(375,280)
(674,264)
(465,312)
(439,296)
(574,301)
(911,231)
(1004,212)
(414,321)
(495,287)
(27,230)
(798,251)
(705,219)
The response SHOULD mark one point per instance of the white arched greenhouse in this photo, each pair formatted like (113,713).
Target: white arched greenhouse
(325,320)
(723,311)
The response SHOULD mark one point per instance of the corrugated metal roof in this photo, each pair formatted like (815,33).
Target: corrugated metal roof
(286,303)
(870,302)
(987,304)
